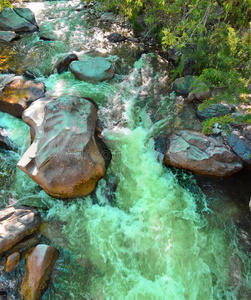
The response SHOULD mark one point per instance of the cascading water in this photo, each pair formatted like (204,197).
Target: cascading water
(143,234)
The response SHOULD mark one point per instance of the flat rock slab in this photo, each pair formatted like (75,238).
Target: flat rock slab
(11,21)
(39,265)
(215,110)
(15,224)
(7,36)
(18,94)
(66,158)
(203,155)
(97,69)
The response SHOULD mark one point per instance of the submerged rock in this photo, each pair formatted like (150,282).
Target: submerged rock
(67,157)
(15,224)
(11,21)
(97,69)
(64,64)
(204,155)
(215,110)
(7,36)
(18,94)
(39,264)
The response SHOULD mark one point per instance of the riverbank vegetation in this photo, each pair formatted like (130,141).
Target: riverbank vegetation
(215,35)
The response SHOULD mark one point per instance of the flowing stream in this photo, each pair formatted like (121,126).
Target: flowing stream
(147,232)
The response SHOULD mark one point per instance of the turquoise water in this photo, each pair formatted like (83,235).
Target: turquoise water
(152,238)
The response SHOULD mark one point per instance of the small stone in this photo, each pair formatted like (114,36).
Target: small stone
(12,261)
(97,69)
(116,38)
(133,40)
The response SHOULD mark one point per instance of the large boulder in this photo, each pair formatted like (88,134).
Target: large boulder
(67,157)
(39,265)
(204,155)
(15,224)
(11,21)
(96,69)
(7,36)
(215,110)
(18,94)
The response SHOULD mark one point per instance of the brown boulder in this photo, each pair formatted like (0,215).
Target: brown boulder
(39,264)
(204,155)
(67,157)
(15,224)
(64,64)
(18,94)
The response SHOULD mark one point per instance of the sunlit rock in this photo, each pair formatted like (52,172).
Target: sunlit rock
(12,261)
(67,157)
(11,21)
(204,155)
(26,14)
(18,94)
(97,69)
(15,224)
(39,265)
(64,64)
(7,36)
(215,110)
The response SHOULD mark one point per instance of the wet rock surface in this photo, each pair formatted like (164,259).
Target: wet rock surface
(7,36)
(97,69)
(39,264)
(4,141)
(64,64)
(10,20)
(15,224)
(18,94)
(66,157)
(203,155)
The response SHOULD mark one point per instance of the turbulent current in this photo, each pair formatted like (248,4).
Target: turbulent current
(147,232)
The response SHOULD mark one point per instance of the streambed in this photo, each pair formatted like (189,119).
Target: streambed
(157,233)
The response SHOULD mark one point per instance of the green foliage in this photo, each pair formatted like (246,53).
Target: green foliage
(223,121)
(5,3)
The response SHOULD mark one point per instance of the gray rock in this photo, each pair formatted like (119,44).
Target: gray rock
(215,110)
(27,14)
(7,36)
(241,146)
(97,69)
(183,85)
(67,157)
(11,21)
(64,64)
(204,155)
(15,224)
